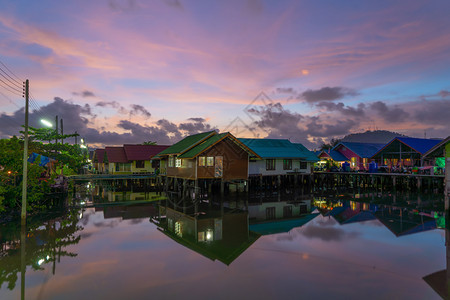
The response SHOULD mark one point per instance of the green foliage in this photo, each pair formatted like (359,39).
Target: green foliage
(149,143)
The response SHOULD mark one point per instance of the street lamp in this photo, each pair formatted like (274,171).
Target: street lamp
(46,123)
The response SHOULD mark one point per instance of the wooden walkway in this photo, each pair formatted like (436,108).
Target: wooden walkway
(110,176)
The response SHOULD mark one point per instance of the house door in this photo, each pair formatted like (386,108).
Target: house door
(218,167)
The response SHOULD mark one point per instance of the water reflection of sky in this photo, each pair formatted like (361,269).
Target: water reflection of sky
(128,259)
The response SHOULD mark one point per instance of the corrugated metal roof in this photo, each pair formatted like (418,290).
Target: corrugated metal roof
(335,155)
(418,145)
(187,143)
(309,155)
(99,154)
(364,150)
(438,149)
(193,152)
(276,148)
(142,152)
(116,154)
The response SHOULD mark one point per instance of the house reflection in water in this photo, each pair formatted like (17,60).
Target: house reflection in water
(214,232)
(402,221)
(353,212)
(279,216)
(126,212)
(440,281)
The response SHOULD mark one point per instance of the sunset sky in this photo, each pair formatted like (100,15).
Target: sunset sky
(129,71)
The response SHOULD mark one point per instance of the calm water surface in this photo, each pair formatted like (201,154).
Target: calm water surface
(145,251)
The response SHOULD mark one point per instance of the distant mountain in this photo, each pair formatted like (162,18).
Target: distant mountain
(377,136)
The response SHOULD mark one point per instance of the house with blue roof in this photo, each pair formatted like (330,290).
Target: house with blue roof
(404,151)
(279,157)
(333,156)
(359,154)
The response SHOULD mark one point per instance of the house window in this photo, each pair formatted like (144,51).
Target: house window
(202,161)
(287,211)
(287,164)
(171,161)
(140,164)
(270,213)
(303,165)
(270,164)
(123,167)
(178,163)
(210,161)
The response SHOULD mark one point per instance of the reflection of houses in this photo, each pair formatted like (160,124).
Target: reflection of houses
(279,157)
(114,196)
(440,281)
(401,221)
(276,217)
(404,151)
(135,211)
(359,154)
(220,234)
(353,212)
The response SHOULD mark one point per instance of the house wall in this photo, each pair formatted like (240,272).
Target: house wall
(259,212)
(354,164)
(235,161)
(447,169)
(146,169)
(258,167)
(112,169)
(187,169)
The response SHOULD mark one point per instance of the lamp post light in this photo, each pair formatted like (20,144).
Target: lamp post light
(46,123)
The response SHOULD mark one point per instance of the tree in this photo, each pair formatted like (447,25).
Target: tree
(330,145)
(149,143)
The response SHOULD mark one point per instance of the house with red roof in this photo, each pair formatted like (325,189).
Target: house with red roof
(97,161)
(130,159)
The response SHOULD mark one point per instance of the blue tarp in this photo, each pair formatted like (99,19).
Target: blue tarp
(44,160)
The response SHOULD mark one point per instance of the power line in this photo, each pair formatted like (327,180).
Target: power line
(10,79)
(20,80)
(11,89)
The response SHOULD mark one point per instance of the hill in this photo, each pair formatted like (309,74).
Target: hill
(377,136)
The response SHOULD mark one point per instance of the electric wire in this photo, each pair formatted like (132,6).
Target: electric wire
(10,79)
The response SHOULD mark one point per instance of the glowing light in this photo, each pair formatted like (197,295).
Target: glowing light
(9,172)
(41,261)
(48,257)
(83,146)
(209,235)
(46,123)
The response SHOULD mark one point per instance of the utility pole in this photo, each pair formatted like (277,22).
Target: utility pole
(62,132)
(56,130)
(23,215)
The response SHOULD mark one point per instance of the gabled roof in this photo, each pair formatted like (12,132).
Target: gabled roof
(116,154)
(99,154)
(142,152)
(363,150)
(211,141)
(278,148)
(335,155)
(438,149)
(309,155)
(187,143)
(279,226)
(418,145)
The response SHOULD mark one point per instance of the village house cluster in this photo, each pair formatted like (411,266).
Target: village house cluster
(218,159)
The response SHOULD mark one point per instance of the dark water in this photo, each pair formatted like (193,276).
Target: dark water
(175,250)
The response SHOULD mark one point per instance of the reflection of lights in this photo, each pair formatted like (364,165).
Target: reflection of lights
(41,261)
